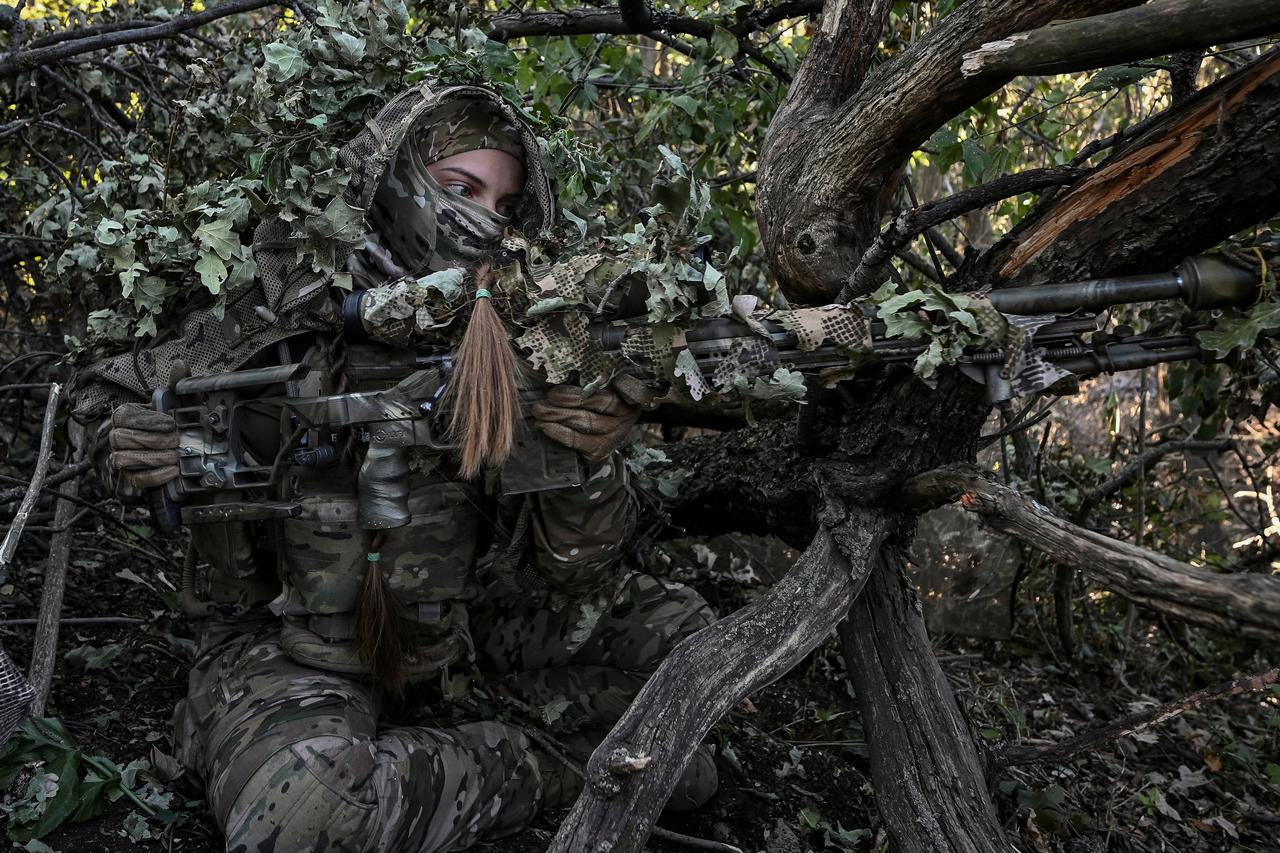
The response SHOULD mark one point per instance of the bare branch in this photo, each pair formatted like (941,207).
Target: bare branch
(1134,723)
(1157,28)
(68,473)
(637,17)
(1245,605)
(35,57)
(907,225)
(10,545)
(1135,469)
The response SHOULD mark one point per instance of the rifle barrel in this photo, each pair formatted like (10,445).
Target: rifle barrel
(1201,281)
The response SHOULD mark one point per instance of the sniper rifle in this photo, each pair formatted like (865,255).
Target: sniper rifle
(220,481)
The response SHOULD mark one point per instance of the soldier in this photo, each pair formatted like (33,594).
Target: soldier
(316,639)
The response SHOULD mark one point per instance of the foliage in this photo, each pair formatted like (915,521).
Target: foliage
(60,783)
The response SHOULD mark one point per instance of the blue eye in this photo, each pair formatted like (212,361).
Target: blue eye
(460,189)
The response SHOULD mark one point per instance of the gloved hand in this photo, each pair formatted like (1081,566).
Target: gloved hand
(595,424)
(144,446)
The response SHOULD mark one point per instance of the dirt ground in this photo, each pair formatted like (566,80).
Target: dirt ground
(793,760)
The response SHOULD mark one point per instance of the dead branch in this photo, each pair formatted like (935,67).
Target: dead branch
(77,621)
(637,17)
(1135,469)
(1245,605)
(1201,159)
(709,673)
(44,652)
(68,473)
(35,57)
(1133,723)
(910,223)
(10,545)
(1155,29)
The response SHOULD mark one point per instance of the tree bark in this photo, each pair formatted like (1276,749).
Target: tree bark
(1159,27)
(1205,170)
(1245,605)
(925,765)
(831,160)
(708,674)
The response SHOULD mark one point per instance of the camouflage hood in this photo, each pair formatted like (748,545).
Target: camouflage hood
(415,225)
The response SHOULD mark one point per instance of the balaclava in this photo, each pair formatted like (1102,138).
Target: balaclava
(417,225)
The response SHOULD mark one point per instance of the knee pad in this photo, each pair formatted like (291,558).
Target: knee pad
(316,794)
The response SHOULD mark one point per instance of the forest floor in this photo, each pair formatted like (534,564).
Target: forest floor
(793,761)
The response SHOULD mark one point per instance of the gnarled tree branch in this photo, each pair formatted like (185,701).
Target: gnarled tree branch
(712,671)
(1240,604)
(827,175)
(1157,28)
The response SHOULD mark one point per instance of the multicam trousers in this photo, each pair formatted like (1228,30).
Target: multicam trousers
(295,759)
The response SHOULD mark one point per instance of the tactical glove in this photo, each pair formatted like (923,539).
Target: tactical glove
(144,450)
(595,424)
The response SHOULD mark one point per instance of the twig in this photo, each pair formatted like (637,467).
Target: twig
(1126,475)
(10,545)
(1134,723)
(35,57)
(68,473)
(75,620)
(740,177)
(695,842)
(869,273)
(44,650)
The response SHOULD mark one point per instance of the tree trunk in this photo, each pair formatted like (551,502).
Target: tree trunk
(925,766)
(632,772)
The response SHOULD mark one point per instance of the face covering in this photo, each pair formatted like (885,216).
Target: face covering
(419,226)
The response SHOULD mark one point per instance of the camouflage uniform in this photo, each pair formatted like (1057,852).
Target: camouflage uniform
(281,722)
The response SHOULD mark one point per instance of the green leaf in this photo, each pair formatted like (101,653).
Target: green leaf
(106,232)
(213,272)
(724,43)
(689,104)
(287,61)
(975,159)
(1242,333)
(1116,77)
(351,47)
(217,236)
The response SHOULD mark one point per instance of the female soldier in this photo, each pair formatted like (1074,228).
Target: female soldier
(311,624)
